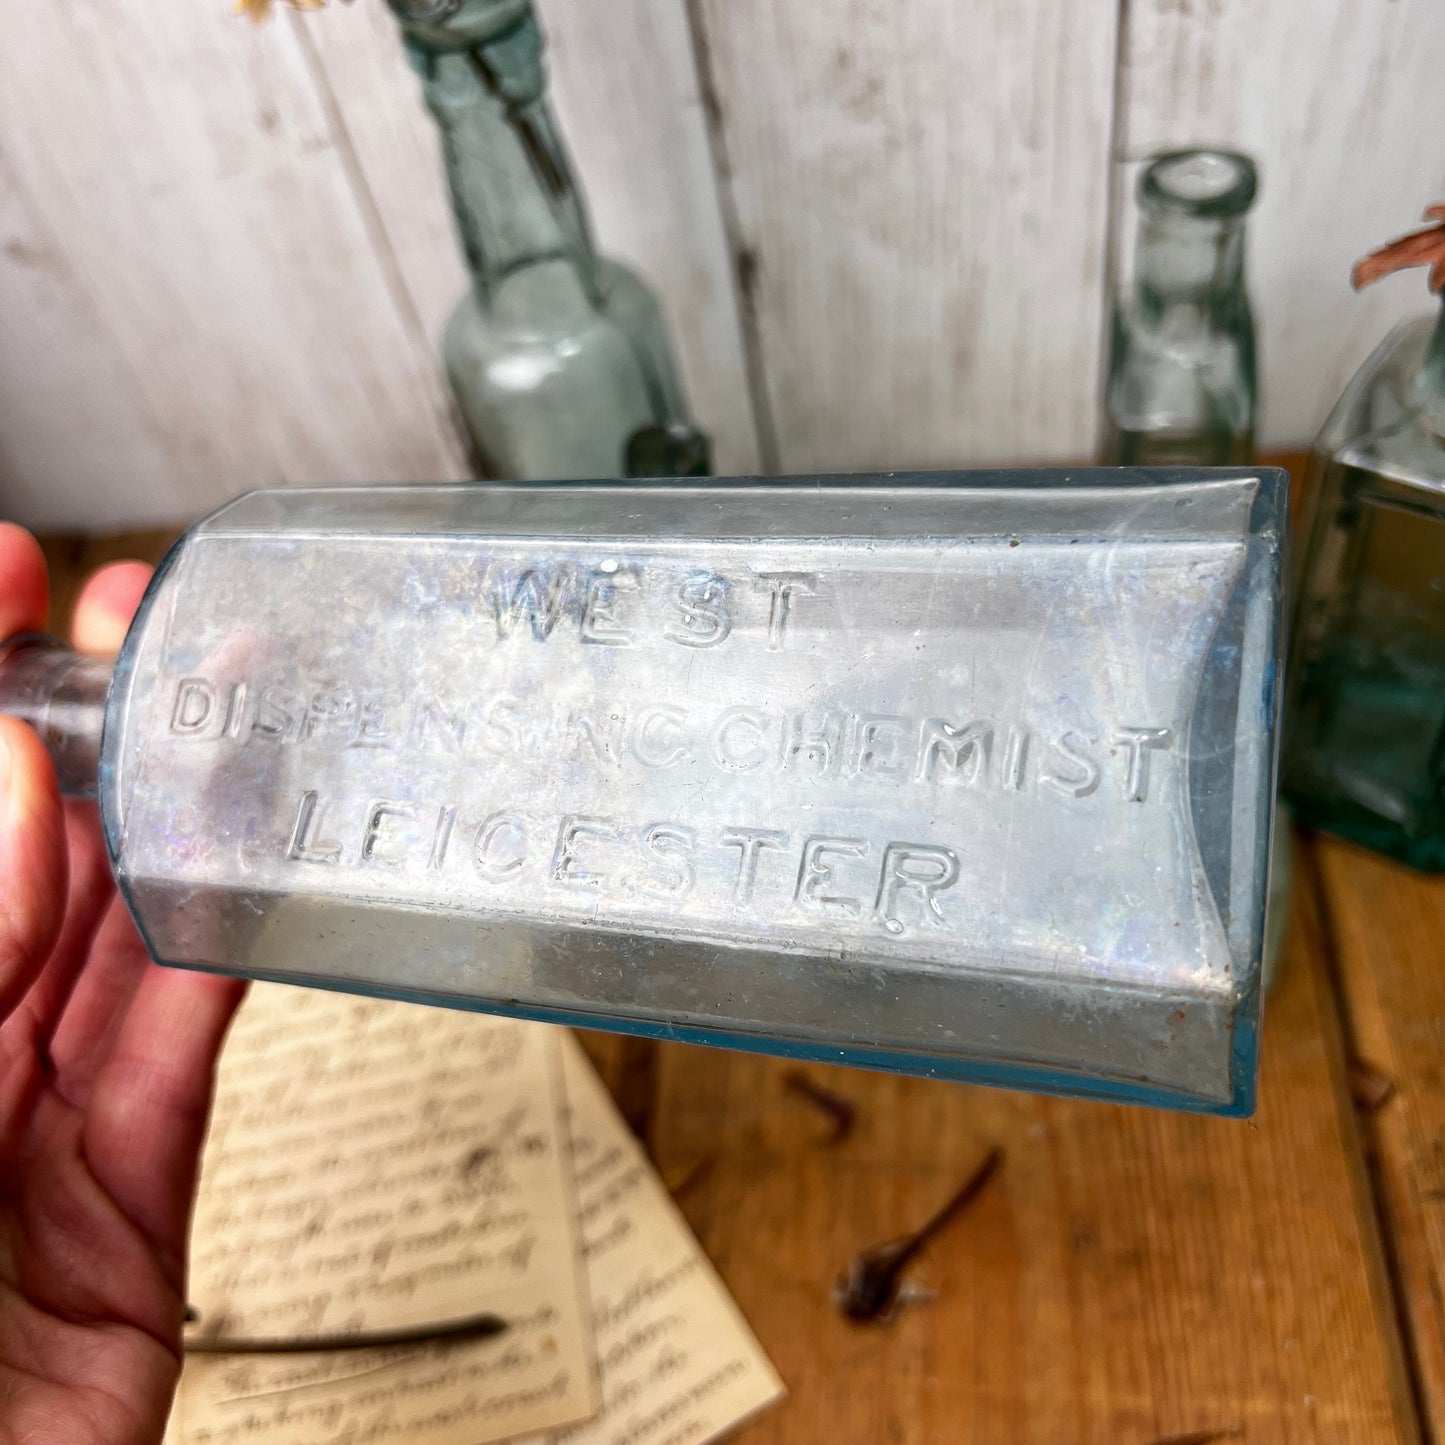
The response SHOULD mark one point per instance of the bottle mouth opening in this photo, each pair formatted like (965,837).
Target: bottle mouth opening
(1206,183)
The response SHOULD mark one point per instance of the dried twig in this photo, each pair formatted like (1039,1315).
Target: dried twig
(842,1111)
(1419,248)
(469,1327)
(869,1289)
(261,9)
(681,1177)
(1370,1088)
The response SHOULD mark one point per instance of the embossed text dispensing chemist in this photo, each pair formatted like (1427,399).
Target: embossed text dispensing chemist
(967,775)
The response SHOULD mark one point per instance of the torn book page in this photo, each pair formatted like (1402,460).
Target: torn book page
(678,1363)
(376,1165)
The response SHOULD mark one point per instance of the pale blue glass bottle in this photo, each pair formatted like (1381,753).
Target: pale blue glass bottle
(743,763)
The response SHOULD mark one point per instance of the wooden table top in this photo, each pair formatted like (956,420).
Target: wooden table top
(1130,1277)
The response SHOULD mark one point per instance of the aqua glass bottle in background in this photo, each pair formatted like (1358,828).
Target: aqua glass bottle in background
(1365,746)
(558,357)
(1181,388)
(1181,384)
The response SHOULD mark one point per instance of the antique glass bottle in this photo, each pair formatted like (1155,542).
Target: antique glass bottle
(1366,739)
(1181,384)
(1181,389)
(558,357)
(964,775)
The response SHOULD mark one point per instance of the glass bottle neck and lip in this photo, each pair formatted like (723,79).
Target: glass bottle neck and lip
(1191,265)
(513,193)
(1190,259)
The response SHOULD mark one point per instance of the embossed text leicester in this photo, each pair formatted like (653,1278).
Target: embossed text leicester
(629,737)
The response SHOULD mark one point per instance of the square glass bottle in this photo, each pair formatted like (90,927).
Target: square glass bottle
(1365,750)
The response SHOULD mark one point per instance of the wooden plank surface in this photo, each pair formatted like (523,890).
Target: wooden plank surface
(1342,106)
(626,93)
(1131,1276)
(920,198)
(1388,929)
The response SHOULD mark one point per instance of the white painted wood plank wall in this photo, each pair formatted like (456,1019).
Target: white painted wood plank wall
(192,303)
(880,231)
(920,189)
(1342,105)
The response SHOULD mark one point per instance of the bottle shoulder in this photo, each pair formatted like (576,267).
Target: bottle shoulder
(1380,423)
(547,299)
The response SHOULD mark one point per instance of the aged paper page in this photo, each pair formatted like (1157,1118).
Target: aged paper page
(677,1359)
(373,1165)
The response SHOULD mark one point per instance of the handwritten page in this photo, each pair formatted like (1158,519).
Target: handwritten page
(374,1165)
(677,1361)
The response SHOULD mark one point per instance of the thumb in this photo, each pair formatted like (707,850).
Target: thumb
(32,861)
(106,605)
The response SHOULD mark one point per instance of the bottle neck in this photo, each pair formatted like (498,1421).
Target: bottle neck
(62,695)
(512,188)
(1191,264)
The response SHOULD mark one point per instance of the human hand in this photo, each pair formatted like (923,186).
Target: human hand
(106,1071)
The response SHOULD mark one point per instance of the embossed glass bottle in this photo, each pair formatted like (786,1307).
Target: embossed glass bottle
(558,357)
(1365,752)
(1181,384)
(967,775)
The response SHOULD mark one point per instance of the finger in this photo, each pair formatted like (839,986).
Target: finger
(102,614)
(87,1030)
(24,589)
(32,861)
(147,1116)
(106,605)
(90,892)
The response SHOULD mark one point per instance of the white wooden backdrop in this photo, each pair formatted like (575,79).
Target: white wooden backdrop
(883,232)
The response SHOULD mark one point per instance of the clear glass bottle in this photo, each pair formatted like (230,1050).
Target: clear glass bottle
(1181,389)
(1181,385)
(1365,754)
(744,763)
(558,357)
